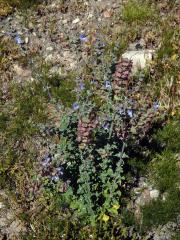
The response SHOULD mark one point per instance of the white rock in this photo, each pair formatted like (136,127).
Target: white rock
(164,196)
(139,58)
(76,20)
(26,40)
(90,15)
(154,194)
(49,49)
(64,21)
(2,205)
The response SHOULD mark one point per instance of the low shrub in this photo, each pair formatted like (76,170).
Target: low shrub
(160,212)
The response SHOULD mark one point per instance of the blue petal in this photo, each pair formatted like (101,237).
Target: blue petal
(156,106)
(75,106)
(130,113)
(106,126)
(81,86)
(107,84)
(18,40)
(83,38)
(55,178)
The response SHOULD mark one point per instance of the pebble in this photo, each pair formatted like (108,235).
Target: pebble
(30,25)
(1,205)
(64,21)
(76,20)
(90,15)
(26,40)
(49,49)
(154,194)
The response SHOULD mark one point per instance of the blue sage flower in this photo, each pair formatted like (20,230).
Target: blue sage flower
(81,86)
(107,84)
(106,126)
(75,106)
(60,171)
(55,178)
(130,113)
(83,38)
(46,160)
(156,106)
(18,40)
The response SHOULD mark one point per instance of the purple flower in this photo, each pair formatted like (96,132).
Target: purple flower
(46,160)
(60,171)
(130,113)
(18,40)
(106,126)
(107,84)
(156,106)
(83,38)
(55,178)
(81,86)
(75,106)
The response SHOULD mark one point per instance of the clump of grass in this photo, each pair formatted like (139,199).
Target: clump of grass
(7,6)
(19,119)
(176,236)
(62,89)
(160,212)
(59,88)
(137,11)
(164,172)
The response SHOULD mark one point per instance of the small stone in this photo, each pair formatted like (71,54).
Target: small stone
(64,21)
(154,194)
(2,205)
(30,25)
(26,40)
(90,15)
(49,49)
(164,196)
(107,14)
(76,20)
